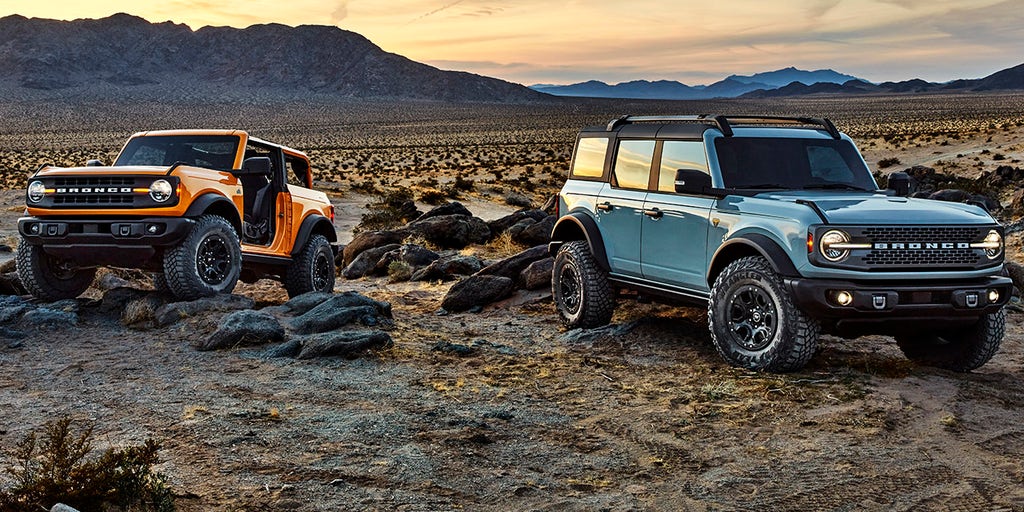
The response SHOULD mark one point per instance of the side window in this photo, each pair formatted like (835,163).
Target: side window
(678,154)
(828,165)
(297,170)
(633,163)
(589,159)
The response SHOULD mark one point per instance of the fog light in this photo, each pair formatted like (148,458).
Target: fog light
(34,229)
(993,296)
(844,298)
(152,228)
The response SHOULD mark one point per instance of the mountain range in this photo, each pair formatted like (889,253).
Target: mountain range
(124,54)
(782,83)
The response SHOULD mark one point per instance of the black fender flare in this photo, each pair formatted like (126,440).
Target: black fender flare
(759,243)
(579,226)
(219,204)
(313,224)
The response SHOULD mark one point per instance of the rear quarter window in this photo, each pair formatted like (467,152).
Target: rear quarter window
(633,164)
(588,162)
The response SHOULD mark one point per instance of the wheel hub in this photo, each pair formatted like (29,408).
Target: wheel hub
(213,260)
(753,317)
(571,289)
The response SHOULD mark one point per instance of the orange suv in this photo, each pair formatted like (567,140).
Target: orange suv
(200,209)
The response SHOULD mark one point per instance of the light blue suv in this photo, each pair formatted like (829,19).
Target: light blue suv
(777,226)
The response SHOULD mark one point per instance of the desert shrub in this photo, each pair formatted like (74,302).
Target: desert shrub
(58,469)
(432,196)
(888,162)
(517,199)
(391,209)
(463,184)
(399,271)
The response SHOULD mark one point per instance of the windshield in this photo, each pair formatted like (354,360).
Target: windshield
(208,151)
(781,163)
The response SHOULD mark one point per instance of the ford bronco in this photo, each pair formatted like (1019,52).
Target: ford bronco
(200,209)
(778,227)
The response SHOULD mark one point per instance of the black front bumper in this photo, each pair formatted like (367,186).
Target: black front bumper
(891,307)
(127,242)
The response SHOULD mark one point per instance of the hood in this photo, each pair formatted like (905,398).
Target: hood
(143,170)
(871,208)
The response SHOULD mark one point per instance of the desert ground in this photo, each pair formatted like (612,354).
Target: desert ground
(503,409)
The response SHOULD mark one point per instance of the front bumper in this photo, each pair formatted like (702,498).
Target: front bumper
(126,242)
(885,302)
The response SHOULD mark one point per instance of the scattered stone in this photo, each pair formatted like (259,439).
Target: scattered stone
(60,507)
(246,327)
(48,318)
(583,336)
(12,307)
(538,274)
(446,268)
(109,281)
(538,233)
(341,310)
(342,343)
(452,208)
(306,301)
(118,299)
(962,196)
(369,240)
(290,348)
(364,264)
(175,311)
(452,348)
(499,226)
(7,333)
(417,255)
(476,290)
(451,231)
(513,266)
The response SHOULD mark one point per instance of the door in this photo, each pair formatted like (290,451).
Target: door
(675,226)
(621,203)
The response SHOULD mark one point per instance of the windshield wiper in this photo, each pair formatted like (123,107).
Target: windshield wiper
(761,185)
(833,186)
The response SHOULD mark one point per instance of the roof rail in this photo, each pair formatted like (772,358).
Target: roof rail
(725,123)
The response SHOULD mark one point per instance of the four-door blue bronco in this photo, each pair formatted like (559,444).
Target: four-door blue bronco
(776,225)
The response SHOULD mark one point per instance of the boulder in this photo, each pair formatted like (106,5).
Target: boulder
(12,307)
(446,268)
(171,313)
(962,196)
(366,262)
(499,226)
(306,301)
(476,290)
(341,310)
(342,343)
(538,233)
(290,348)
(418,256)
(452,208)
(381,268)
(370,239)
(48,318)
(451,231)
(118,298)
(513,266)
(537,275)
(10,284)
(246,327)
(110,281)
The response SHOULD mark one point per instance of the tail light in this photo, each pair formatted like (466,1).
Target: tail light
(558,206)
(332,212)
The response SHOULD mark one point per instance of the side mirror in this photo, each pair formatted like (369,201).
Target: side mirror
(692,181)
(94,163)
(254,166)
(899,183)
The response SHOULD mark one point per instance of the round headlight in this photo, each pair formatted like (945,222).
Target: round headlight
(160,191)
(828,240)
(36,191)
(994,244)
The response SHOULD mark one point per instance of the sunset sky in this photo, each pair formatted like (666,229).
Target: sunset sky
(697,42)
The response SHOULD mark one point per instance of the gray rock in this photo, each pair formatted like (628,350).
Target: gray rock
(110,281)
(367,260)
(306,301)
(341,310)
(586,336)
(537,275)
(6,333)
(499,226)
(246,327)
(381,268)
(119,298)
(12,307)
(370,239)
(342,343)
(418,256)
(516,230)
(513,266)
(451,231)
(452,208)
(446,268)
(290,348)
(68,305)
(476,290)
(175,311)
(60,507)
(452,348)
(48,318)
(538,233)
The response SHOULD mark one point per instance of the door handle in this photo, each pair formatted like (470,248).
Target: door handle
(605,207)
(654,213)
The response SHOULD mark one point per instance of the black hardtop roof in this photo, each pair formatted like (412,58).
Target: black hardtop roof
(693,126)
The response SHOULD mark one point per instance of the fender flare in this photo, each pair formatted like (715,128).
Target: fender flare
(763,245)
(571,227)
(224,207)
(313,224)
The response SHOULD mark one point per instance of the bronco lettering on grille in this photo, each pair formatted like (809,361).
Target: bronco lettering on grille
(897,246)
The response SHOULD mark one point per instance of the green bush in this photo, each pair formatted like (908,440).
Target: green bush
(58,469)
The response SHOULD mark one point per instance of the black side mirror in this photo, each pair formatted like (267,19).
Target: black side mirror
(899,183)
(257,165)
(692,181)
(94,163)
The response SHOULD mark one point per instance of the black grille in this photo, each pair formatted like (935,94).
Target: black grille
(98,181)
(924,234)
(93,191)
(94,199)
(922,258)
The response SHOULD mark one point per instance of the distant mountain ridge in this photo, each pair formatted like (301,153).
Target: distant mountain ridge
(127,54)
(782,83)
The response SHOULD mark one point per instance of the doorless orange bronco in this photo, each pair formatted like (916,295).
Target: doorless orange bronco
(199,208)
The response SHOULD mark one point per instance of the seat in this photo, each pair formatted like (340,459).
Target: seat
(257,206)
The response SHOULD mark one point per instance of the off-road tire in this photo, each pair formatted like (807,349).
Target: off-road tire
(207,262)
(960,350)
(583,296)
(753,321)
(45,278)
(160,283)
(312,270)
